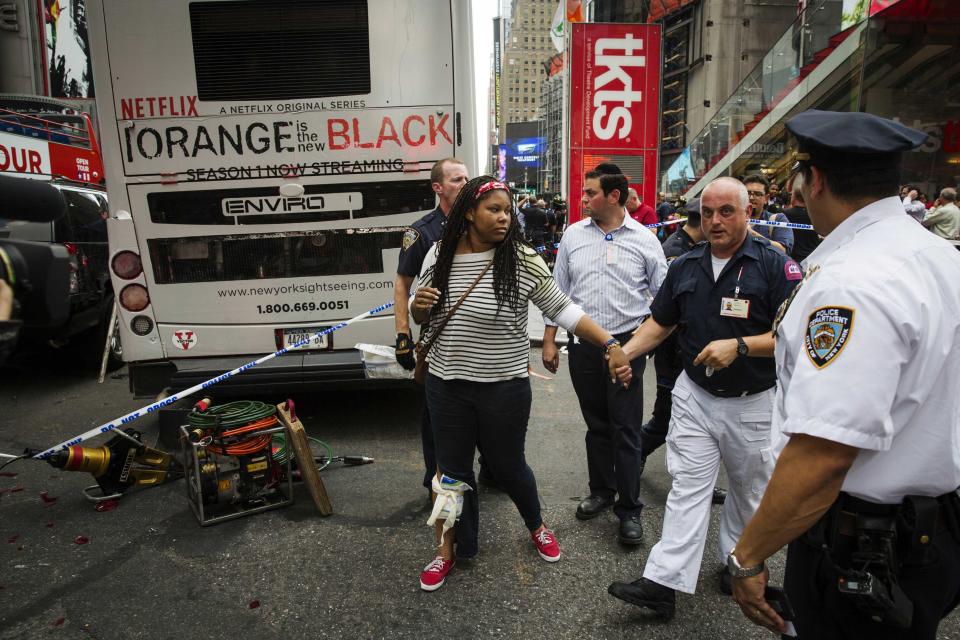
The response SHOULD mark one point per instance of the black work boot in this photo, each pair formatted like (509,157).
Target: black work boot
(719,495)
(647,593)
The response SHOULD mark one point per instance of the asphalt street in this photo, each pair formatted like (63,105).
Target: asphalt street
(147,570)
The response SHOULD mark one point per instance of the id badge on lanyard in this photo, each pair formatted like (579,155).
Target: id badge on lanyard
(735,307)
(613,252)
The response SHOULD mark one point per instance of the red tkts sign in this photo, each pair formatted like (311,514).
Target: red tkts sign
(614,104)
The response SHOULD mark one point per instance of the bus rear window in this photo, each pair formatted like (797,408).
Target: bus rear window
(264,256)
(280,50)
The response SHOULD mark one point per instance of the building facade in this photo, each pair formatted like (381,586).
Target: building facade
(526,46)
(898,59)
(21,63)
(551,130)
(709,47)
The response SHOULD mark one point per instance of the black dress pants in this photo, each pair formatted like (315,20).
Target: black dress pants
(668,365)
(614,419)
(823,613)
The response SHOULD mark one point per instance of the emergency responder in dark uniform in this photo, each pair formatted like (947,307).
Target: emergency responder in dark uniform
(667,361)
(721,297)
(868,368)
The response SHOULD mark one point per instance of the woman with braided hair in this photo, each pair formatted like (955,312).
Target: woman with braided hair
(477,387)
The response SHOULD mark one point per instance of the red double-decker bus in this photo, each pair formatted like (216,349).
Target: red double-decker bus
(48,139)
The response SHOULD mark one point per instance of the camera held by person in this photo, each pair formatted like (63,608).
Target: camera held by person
(34,276)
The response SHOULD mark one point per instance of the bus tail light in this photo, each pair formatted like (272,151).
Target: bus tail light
(126,265)
(141,325)
(134,297)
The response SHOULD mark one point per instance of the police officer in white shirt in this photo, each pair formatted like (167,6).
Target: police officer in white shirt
(868,359)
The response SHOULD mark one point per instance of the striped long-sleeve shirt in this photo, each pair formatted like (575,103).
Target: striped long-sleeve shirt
(479,343)
(613,276)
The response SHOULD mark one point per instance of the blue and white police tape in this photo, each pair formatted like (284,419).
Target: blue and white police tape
(789,225)
(764,223)
(150,408)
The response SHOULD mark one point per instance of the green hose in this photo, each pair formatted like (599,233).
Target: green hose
(231,414)
(282,453)
(242,412)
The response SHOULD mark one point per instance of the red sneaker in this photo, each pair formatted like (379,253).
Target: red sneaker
(433,575)
(546,543)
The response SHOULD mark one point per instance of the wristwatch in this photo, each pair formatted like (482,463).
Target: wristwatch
(742,348)
(735,570)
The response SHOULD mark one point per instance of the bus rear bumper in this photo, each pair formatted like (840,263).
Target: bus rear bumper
(287,374)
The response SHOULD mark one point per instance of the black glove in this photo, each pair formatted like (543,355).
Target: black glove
(405,352)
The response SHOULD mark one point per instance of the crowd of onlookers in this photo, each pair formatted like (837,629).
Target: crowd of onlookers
(941,216)
(543,223)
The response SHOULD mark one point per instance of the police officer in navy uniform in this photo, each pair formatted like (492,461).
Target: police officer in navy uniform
(447,177)
(721,297)
(667,360)
(868,368)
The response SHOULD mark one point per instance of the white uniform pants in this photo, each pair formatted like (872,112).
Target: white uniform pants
(704,429)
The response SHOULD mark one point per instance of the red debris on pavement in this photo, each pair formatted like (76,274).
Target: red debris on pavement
(16,489)
(49,525)
(106,505)
(58,622)
(7,474)
(13,538)
(81,540)
(47,498)
(254,604)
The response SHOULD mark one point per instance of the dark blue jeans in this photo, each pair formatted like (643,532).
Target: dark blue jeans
(493,415)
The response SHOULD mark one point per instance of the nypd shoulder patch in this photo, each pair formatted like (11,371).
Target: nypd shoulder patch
(828,331)
(409,237)
(792,271)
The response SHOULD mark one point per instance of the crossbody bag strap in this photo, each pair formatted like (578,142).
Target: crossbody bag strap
(424,348)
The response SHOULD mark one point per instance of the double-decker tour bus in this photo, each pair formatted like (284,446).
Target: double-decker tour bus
(44,138)
(262,159)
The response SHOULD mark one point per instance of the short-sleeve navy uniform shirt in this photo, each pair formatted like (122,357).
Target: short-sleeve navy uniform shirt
(417,240)
(690,299)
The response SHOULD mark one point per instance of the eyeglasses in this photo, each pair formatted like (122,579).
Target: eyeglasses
(756,194)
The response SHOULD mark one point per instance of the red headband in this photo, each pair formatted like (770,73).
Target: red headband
(491,185)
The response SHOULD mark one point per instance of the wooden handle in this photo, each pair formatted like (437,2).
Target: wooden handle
(297,436)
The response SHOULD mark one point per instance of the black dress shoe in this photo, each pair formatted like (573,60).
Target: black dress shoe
(646,593)
(719,495)
(726,586)
(593,505)
(631,531)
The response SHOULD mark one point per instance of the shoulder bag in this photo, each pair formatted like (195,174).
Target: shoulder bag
(423,346)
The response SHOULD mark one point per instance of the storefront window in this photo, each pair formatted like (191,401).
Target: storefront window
(911,71)
(903,62)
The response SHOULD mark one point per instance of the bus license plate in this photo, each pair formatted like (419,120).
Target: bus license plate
(299,334)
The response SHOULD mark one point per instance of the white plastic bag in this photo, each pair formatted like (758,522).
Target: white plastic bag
(380,362)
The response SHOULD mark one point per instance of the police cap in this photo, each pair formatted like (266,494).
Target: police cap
(692,210)
(843,139)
